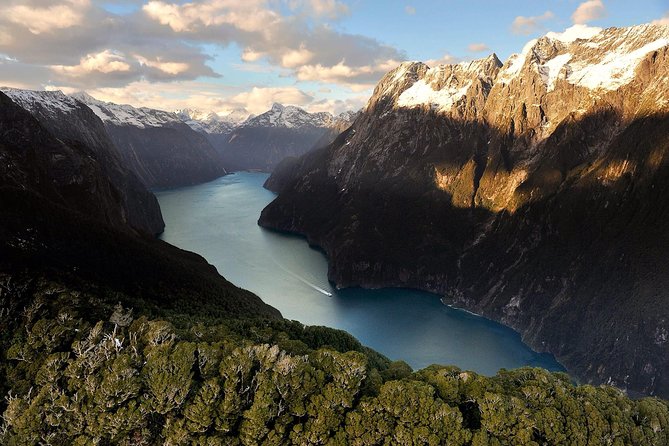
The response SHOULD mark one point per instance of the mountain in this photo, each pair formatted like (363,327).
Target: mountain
(86,162)
(532,192)
(210,123)
(261,142)
(109,336)
(158,146)
(63,216)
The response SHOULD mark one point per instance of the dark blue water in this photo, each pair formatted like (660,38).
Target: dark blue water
(218,221)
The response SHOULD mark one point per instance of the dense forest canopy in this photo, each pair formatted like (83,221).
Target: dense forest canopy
(83,365)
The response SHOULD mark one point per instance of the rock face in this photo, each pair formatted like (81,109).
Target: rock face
(64,216)
(261,142)
(81,160)
(532,192)
(158,146)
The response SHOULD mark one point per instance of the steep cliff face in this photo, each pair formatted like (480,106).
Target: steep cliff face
(158,146)
(93,167)
(63,218)
(261,142)
(532,192)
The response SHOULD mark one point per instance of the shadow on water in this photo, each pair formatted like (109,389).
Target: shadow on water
(218,221)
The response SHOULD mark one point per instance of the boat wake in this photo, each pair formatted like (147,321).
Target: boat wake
(303,280)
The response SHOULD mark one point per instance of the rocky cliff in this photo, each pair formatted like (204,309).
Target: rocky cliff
(85,162)
(158,146)
(533,192)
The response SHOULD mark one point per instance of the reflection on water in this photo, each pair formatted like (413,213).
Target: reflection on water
(218,221)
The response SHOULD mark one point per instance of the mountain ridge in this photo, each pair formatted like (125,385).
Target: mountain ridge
(487,179)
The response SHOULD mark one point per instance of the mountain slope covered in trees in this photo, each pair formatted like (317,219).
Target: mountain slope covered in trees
(105,374)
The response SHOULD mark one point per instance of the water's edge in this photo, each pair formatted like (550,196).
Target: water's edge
(218,220)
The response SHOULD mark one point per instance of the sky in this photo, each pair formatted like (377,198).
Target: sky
(218,55)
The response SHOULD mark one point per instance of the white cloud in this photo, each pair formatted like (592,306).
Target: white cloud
(477,47)
(357,78)
(258,99)
(249,55)
(589,11)
(173,68)
(296,58)
(245,15)
(331,9)
(337,106)
(290,42)
(410,10)
(529,25)
(663,21)
(46,19)
(123,55)
(105,62)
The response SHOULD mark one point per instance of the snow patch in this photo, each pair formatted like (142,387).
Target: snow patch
(551,70)
(615,70)
(515,63)
(126,114)
(32,100)
(422,93)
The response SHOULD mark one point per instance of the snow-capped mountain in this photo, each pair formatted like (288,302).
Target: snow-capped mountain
(157,145)
(102,184)
(211,122)
(291,117)
(263,141)
(127,115)
(533,192)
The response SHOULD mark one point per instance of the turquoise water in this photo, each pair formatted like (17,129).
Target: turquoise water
(218,221)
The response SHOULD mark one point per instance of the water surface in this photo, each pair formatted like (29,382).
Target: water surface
(218,221)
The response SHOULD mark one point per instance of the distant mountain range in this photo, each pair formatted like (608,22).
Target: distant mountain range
(248,142)
(166,149)
(533,192)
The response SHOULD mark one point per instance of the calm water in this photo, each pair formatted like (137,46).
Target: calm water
(218,221)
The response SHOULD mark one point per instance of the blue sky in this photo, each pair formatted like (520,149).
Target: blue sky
(222,54)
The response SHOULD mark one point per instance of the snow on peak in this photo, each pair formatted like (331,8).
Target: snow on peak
(127,115)
(194,114)
(574,33)
(515,62)
(444,85)
(31,100)
(588,57)
(290,116)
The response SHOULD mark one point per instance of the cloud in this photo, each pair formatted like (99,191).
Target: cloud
(410,10)
(337,106)
(477,47)
(173,68)
(589,11)
(245,15)
(331,9)
(446,59)
(296,58)
(663,21)
(259,99)
(40,19)
(357,78)
(104,62)
(79,44)
(201,95)
(529,25)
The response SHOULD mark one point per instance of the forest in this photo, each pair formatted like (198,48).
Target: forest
(86,365)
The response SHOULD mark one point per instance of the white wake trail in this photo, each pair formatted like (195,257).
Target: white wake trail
(303,280)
